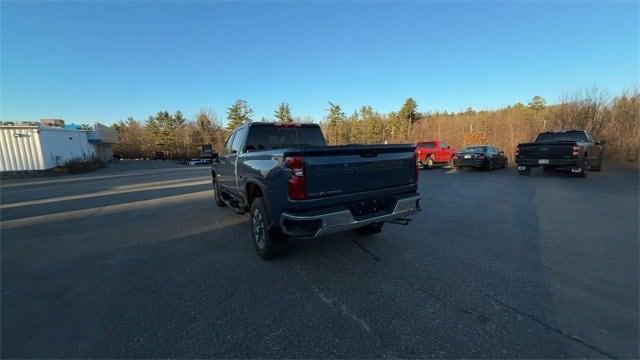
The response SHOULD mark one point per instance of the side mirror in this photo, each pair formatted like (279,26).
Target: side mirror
(600,142)
(448,147)
(214,156)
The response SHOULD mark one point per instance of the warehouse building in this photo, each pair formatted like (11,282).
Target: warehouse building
(50,144)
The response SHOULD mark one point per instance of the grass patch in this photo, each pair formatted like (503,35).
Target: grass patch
(77,166)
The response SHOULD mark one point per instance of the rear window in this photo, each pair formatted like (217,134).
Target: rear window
(278,137)
(427,145)
(563,136)
(475,149)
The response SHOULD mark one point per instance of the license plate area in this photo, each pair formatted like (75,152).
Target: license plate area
(467,156)
(543,161)
(368,207)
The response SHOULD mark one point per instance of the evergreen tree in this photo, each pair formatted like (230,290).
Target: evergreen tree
(372,125)
(335,118)
(283,113)
(409,114)
(239,113)
(537,103)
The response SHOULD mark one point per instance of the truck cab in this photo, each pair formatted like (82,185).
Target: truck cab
(435,152)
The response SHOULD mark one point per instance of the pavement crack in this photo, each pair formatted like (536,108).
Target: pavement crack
(438,299)
(230,296)
(335,304)
(373,256)
(277,332)
(553,328)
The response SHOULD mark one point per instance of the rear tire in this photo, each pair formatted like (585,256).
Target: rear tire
(429,163)
(267,243)
(596,167)
(489,166)
(216,196)
(370,229)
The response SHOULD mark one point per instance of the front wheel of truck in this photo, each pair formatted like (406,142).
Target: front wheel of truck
(216,195)
(370,229)
(268,245)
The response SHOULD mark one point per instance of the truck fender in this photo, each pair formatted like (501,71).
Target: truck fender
(263,190)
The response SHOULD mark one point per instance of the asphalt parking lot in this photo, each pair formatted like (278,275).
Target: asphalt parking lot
(136,261)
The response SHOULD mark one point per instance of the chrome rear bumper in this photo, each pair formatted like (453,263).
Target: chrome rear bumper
(343,220)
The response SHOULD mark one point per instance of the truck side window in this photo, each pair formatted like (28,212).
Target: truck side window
(237,141)
(226,150)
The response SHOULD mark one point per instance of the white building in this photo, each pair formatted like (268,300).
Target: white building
(41,147)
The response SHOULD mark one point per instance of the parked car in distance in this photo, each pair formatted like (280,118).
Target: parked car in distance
(294,185)
(159,155)
(430,153)
(200,161)
(480,157)
(575,150)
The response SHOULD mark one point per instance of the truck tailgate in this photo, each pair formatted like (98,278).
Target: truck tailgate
(340,170)
(550,150)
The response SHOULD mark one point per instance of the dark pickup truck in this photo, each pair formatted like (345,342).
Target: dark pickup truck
(575,150)
(294,185)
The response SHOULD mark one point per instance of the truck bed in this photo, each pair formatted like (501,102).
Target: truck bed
(348,169)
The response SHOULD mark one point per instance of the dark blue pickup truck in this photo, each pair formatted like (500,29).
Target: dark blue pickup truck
(575,150)
(294,185)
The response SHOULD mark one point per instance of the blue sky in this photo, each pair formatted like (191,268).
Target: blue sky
(99,61)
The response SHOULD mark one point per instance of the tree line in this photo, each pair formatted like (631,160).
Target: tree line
(612,118)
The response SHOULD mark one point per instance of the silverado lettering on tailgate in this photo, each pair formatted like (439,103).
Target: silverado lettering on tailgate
(370,167)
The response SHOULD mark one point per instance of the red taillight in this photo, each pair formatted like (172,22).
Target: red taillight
(575,151)
(416,175)
(297,189)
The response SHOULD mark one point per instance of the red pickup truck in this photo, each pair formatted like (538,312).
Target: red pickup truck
(430,153)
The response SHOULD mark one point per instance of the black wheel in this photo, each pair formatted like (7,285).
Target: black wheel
(489,166)
(268,245)
(583,170)
(429,163)
(216,195)
(370,229)
(524,171)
